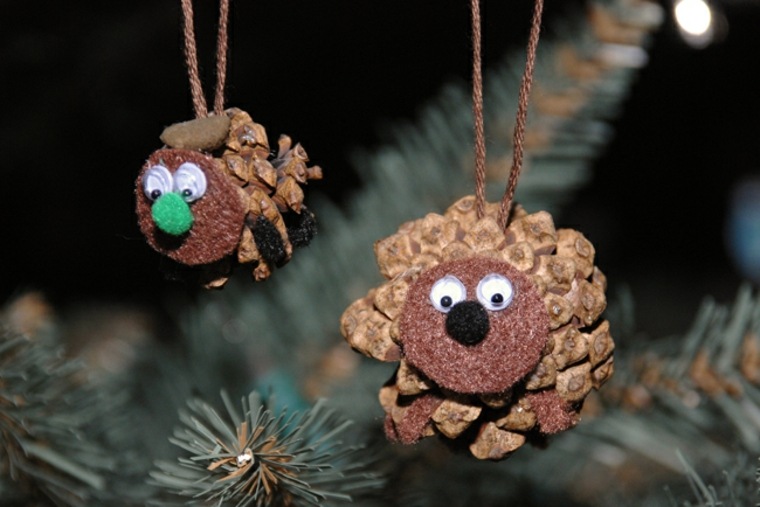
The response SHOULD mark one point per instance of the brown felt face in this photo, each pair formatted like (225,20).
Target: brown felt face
(217,216)
(509,350)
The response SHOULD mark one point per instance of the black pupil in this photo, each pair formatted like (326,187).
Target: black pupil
(446,301)
(497,298)
(155,194)
(187,192)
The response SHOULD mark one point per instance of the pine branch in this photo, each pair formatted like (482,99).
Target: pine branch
(735,485)
(732,488)
(46,417)
(257,458)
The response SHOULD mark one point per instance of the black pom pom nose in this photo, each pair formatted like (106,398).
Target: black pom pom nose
(467,322)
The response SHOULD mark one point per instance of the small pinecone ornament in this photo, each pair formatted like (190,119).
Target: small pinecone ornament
(216,196)
(497,332)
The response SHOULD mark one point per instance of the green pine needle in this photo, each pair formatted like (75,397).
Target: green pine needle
(257,458)
(735,487)
(46,416)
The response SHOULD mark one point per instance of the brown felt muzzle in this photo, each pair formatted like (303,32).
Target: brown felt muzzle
(464,347)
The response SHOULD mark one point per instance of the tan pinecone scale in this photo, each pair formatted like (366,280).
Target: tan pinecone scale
(577,356)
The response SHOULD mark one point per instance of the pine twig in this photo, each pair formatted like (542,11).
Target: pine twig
(256,458)
(46,418)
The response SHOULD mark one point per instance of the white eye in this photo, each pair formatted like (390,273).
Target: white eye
(157,182)
(495,292)
(447,292)
(190,182)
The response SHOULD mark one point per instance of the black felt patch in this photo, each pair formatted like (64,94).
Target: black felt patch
(302,227)
(268,241)
(467,322)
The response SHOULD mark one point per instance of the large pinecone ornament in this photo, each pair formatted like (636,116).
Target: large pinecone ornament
(216,196)
(497,333)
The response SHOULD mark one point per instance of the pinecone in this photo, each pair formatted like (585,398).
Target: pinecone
(272,187)
(490,377)
(252,210)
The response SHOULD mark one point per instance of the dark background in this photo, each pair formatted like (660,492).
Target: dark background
(88,86)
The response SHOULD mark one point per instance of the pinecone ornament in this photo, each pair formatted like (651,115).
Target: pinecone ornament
(217,196)
(497,332)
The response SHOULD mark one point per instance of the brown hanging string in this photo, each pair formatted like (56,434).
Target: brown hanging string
(221,55)
(191,59)
(522,115)
(477,109)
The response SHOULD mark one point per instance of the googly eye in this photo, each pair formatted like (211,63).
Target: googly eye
(495,292)
(446,292)
(190,182)
(157,182)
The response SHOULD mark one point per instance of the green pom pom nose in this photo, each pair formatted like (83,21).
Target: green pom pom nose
(172,215)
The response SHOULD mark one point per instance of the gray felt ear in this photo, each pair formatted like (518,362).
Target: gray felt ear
(201,134)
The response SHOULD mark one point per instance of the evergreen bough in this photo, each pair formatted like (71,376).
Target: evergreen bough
(257,458)
(49,452)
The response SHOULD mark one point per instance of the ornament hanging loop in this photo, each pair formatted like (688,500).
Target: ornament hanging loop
(191,58)
(477,109)
(518,139)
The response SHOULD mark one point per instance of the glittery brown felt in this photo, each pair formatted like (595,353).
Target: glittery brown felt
(416,416)
(218,216)
(553,413)
(511,349)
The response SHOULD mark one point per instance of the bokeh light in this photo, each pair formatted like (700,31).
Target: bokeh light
(696,22)
(693,16)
